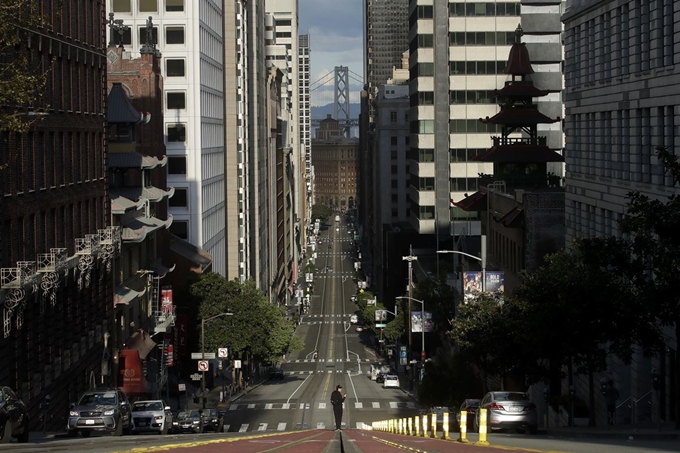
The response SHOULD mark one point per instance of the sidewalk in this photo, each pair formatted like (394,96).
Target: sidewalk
(627,432)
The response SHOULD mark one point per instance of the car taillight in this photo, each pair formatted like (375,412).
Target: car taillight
(496,406)
(530,407)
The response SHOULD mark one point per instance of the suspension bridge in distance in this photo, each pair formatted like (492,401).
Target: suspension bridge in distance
(340,78)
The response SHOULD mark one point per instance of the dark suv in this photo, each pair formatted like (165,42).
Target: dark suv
(100,410)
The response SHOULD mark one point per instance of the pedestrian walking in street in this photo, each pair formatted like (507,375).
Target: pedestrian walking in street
(611,396)
(337,398)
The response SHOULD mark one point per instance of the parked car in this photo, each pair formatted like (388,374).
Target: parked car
(354,319)
(13,417)
(188,422)
(391,380)
(439,412)
(213,420)
(359,329)
(512,410)
(276,373)
(100,410)
(151,416)
(470,406)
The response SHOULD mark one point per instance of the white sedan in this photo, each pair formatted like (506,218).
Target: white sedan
(391,380)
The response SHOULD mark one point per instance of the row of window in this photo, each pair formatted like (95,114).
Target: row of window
(455,154)
(484,9)
(470,38)
(455,184)
(460,68)
(455,97)
(147,6)
(455,127)
(174,34)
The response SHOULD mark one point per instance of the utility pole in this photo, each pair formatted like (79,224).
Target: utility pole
(410,258)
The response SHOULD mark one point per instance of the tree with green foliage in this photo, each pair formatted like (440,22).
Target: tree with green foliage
(256,327)
(652,225)
(22,81)
(449,378)
(322,212)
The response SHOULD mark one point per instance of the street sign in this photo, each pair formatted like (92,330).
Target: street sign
(223,353)
(182,387)
(381,326)
(196,377)
(202,365)
(200,356)
(237,364)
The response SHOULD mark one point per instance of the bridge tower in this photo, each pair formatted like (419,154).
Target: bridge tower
(341,102)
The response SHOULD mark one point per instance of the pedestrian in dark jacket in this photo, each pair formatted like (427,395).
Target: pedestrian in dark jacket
(337,398)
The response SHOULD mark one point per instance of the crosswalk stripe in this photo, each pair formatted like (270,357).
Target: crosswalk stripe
(358,405)
(281,427)
(243,428)
(320,425)
(376,405)
(263,427)
(268,406)
(285,406)
(233,407)
(322,405)
(225,428)
(251,406)
(394,405)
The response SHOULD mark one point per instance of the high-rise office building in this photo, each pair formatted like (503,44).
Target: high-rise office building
(621,96)
(304,101)
(386,29)
(458,53)
(189,36)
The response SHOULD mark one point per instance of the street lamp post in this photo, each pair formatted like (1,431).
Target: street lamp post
(482,259)
(203,323)
(422,322)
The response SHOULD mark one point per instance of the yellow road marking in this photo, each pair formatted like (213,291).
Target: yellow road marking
(499,447)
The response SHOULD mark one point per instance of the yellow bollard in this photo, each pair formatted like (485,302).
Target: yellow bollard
(410,426)
(433,433)
(463,427)
(482,428)
(445,426)
(424,426)
(416,425)
(391,427)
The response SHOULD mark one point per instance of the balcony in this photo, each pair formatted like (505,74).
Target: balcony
(164,319)
(519,141)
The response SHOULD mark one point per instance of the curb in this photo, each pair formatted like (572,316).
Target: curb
(632,435)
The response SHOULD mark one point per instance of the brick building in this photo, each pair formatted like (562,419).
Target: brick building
(55,239)
(335,166)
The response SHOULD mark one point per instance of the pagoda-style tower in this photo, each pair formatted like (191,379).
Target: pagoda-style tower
(521,205)
(520,161)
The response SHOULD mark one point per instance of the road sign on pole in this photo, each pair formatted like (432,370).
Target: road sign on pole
(202,365)
(183,387)
(237,364)
(222,353)
(196,377)
(200,356)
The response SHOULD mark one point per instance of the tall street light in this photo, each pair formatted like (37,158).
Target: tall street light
(422,322)
(203,323)
(482,259)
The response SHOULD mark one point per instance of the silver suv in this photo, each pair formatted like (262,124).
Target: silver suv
(100,410)
(151,416)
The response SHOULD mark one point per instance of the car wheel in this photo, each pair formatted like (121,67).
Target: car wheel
(23,437)
(6,433)
(521,430)
(85,433)
(72,432)
(119,429)
(164,431)
(533,429)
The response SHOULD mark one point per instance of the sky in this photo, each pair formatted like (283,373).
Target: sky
(336,37)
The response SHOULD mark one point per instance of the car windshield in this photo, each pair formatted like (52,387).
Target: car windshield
(474,403)
(185,414)
(147,406)
(96,399)
(512,397)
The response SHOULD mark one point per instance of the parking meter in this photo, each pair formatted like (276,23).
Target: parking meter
(546,395)
(572,391)
(48,400)
(655,379)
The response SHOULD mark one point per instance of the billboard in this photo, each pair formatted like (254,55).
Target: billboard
(166,300)
(421,320)
(472,284)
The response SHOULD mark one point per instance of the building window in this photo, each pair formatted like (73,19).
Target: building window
(174,5)
(124,39)
(426,155)
(426,127)
(121,6)
(393,141)
(177,133)
(174,35)
(179,199)
(177,165)
(425,98)
(148,6)
(142,35)
(180,229)
(425,12)
(426,213)
(393,117)
(174,68)
(425,183)
(425,41)
(176,100)
(425,69)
